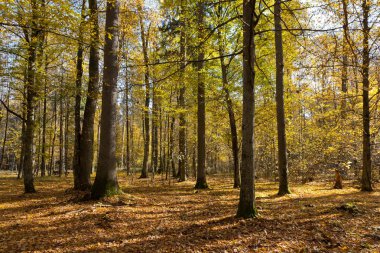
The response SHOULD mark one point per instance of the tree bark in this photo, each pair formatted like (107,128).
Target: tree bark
(246,207)
(154,158)
(281,134)
(144,169)
(5,130)
(367,162)
(78,98)
(182,161)
(106,175)
(86,154)
(52,156)
(201,136)
(67,120)
(127,124)
(345,60)
(31,96)
(60,170)
(43,149)
(230,110)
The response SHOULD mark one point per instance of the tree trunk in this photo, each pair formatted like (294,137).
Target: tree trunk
(345,60)
(201,172)
(154,130)
(22,152)
(144,169)
(106,174)
(5,130)
(31,96)
(182,161)
(86,154)
(67,120)
(127,125)
(78,98)
(171,147)
(52,156)
(230,110)
(246,207)
(281,134)
(60,170)
(366,173)
(43,149)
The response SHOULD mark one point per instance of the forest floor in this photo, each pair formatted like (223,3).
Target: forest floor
(158,217)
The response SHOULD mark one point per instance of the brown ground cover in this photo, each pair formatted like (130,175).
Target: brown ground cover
(158,217)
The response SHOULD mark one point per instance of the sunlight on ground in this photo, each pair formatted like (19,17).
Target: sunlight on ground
(158,217)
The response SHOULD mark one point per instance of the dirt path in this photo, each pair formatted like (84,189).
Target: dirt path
(161,218)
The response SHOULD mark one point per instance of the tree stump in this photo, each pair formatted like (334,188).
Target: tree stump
(338,180)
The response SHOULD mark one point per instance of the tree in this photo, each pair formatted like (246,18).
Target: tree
(367,162)
(182,161)
(106,175)
(86,153)
(201,140)
(31,95)
(281,135)
(78,175)
(43,149)
(246,207)
(231,114)
(144,40)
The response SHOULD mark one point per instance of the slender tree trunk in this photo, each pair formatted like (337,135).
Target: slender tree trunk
(231,113)
(281,134)
(60,170)
(127,123)
(43,149)
(22,152)
(144,168)
(154,130)
(246,207)
(106,174)
(182,161)
(162,146)
(152,169)
(67,120)
(201,172)
(52,157)
(345,60)
(86,154)
(367,163)
(171,147)
(5,130)
(77,119)
(127,127)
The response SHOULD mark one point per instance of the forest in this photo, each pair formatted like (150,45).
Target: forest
(189,126)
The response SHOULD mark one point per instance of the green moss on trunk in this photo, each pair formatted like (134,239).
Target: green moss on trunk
(201,185)
(246,212)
